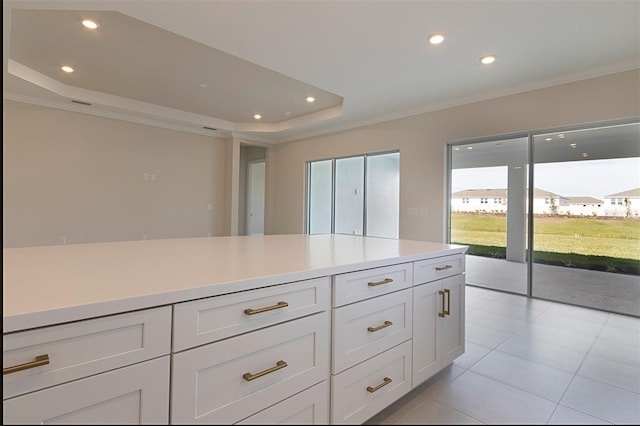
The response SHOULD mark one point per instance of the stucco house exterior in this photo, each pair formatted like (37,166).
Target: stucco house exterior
(583,206)
(495,201)
(623,204)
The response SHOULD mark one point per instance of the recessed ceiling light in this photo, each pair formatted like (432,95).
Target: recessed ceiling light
(584,154)
(66,68)
(311,99)
(572,145)
(436,38)
(257,116)
(489,59)
(469,147)
(90,24)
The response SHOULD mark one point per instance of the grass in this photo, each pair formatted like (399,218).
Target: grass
(611,245)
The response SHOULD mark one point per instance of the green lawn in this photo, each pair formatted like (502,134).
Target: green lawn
(593,243)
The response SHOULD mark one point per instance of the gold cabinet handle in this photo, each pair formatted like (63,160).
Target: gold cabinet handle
(448,293)
(385,281)
(380,327)
(442,313)
(266,309)
(443,268)
(384,383)
(40,361)
(248,376)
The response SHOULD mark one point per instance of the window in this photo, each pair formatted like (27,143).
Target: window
(357,195)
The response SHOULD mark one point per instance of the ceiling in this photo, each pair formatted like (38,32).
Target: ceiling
(208,66)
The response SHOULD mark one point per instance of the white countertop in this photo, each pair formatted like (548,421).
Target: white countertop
(54,284)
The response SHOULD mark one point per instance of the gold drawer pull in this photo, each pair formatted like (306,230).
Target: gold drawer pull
(442,314)
(448,293)
(442,268)
(40,361)
(248,376)
(385,281)
(380,327)
(384,383)
(268,308)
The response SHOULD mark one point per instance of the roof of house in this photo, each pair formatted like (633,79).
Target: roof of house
(584,200)
(480,193)
(539,193)
(500,192)
(635,192)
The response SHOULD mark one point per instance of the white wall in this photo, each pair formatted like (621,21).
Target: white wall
(82,177)
(421,140)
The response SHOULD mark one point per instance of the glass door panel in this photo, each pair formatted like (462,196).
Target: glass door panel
(383,195)
(320,187)
(488,211)
(586,208)
(349,198)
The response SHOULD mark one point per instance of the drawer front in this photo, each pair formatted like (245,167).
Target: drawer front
(355,286)
(224,382)
(362,391)
(364,329)
(83,348)
(438,267)
(309,407)
(137,394)
(208,320)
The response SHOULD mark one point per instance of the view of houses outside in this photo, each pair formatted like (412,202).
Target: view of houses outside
(589,208)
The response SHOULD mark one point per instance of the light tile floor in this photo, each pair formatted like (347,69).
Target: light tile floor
(531,361)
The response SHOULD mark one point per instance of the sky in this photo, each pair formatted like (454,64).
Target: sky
(593,178)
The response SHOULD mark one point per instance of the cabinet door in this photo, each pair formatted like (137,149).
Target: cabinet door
(138,394)
(453,323)
(426,331)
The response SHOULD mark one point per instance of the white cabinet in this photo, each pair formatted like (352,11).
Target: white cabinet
(264,341)
(258,349)
(372,329)
(109,370)
(365,389)
(137,394)
(438,316)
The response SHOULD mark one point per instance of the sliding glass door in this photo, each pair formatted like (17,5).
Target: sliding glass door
(576,190)
(357,195)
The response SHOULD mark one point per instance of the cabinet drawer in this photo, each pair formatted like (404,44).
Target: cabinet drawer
(364,329)
(208,320)
(309,407)
(226,381)
(362,391)
(354,286)
(83,348)
(438,267)
(137,394)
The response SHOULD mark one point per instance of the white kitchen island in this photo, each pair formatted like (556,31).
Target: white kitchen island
(263,329)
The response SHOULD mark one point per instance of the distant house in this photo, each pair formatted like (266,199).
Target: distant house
(480,200)
(495,201)
(545,202)
(584,206)
(623,204)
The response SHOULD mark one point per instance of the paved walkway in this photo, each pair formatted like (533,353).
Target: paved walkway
(606,291)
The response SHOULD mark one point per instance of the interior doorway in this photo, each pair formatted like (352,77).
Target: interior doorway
(255,197)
